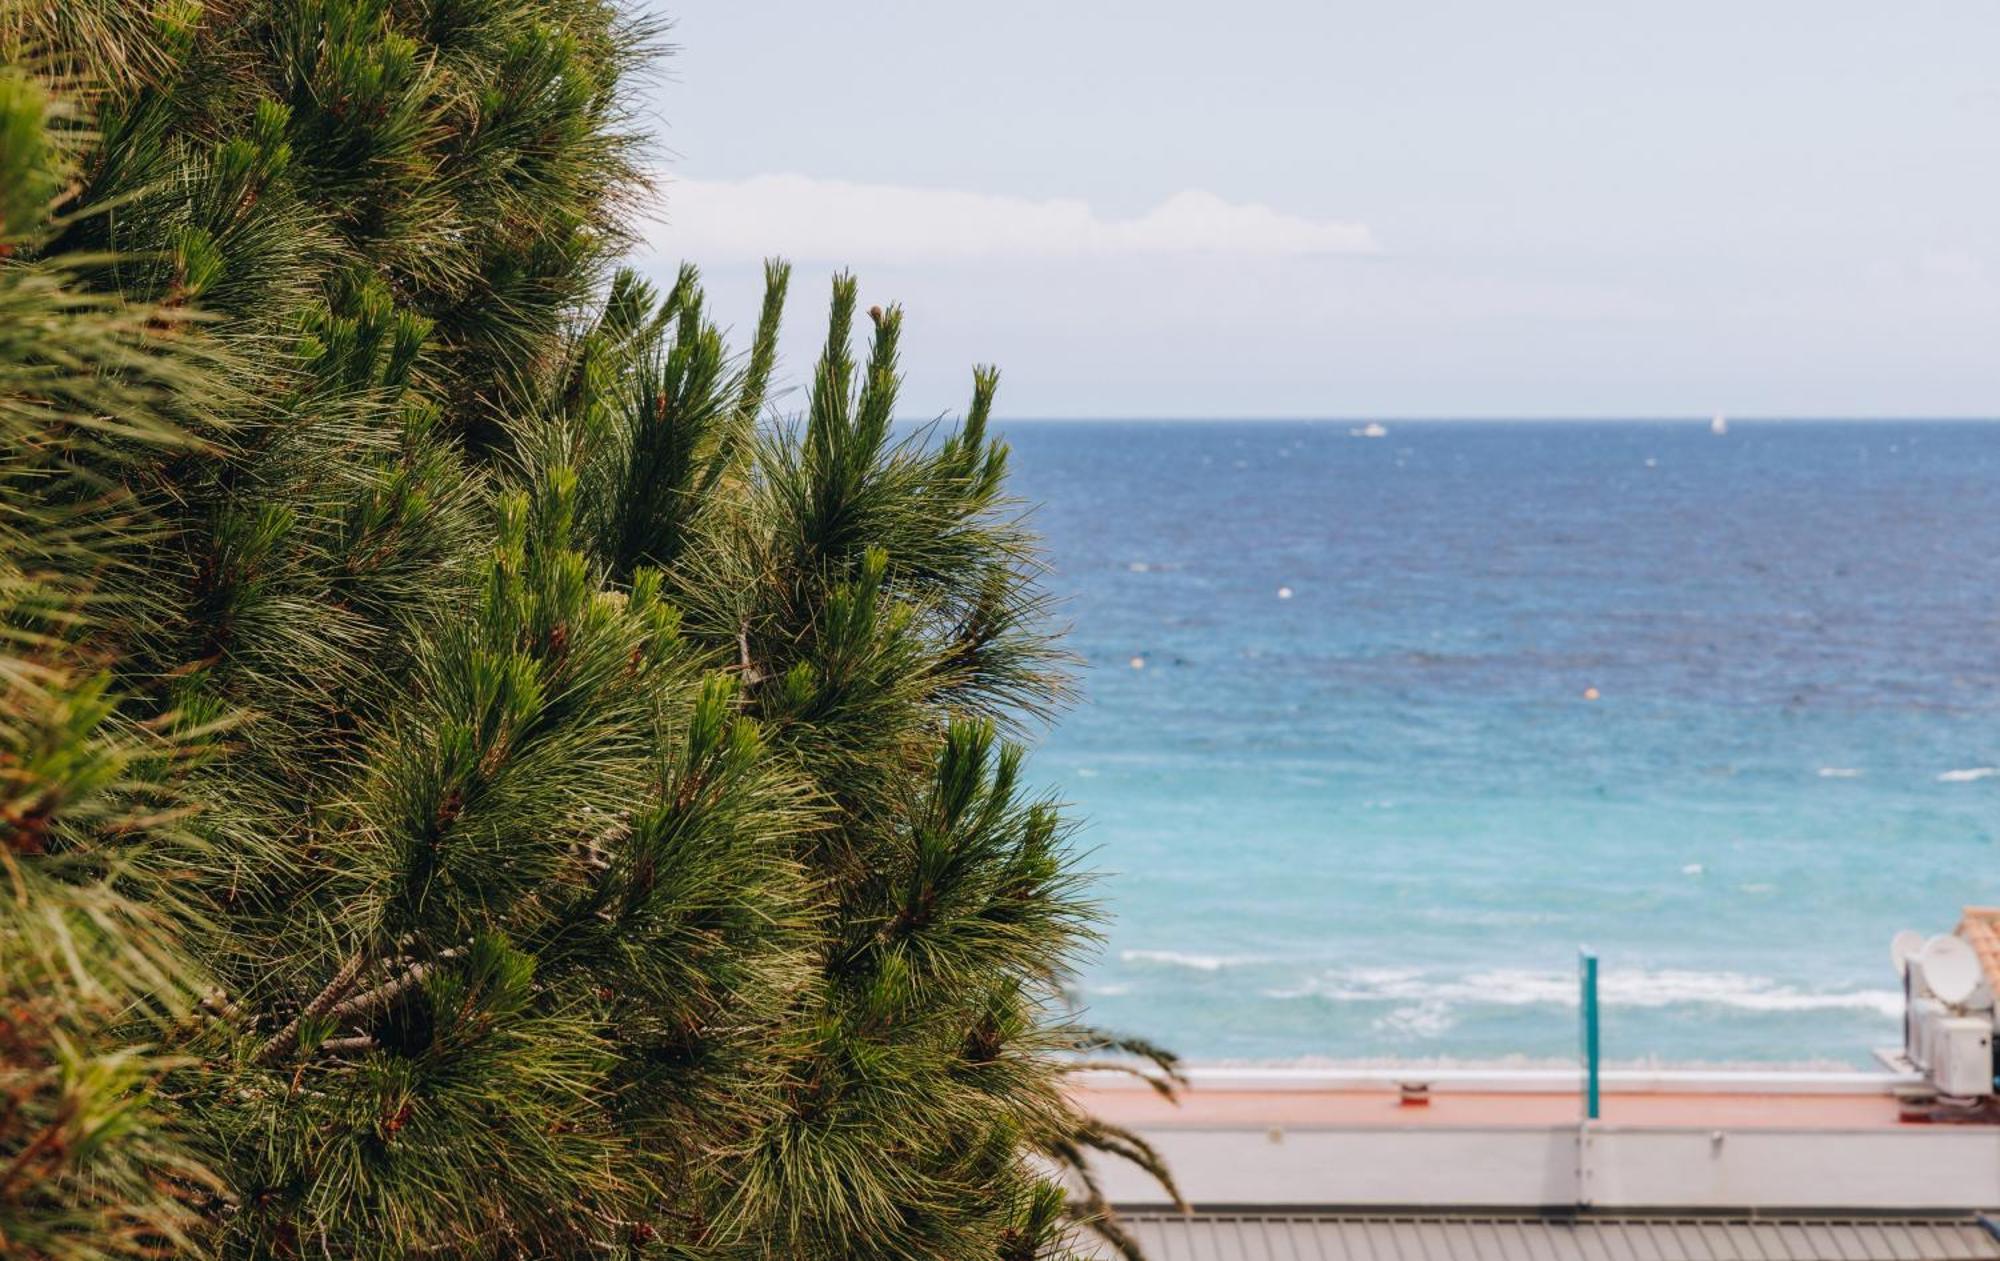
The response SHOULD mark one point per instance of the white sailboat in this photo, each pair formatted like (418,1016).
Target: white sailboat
(1719,426)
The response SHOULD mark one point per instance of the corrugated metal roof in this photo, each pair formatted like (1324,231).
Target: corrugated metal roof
(1305,1237)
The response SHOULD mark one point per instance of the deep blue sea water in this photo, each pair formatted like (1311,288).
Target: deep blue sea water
(1377,817)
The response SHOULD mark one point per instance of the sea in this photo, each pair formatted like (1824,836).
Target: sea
(1377,731)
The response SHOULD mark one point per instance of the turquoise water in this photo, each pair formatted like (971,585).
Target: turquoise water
(1376,817)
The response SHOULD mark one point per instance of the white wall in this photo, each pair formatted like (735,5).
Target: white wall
(1942,1167)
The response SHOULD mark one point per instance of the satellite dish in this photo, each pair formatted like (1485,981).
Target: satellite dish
(1903,947)
(1950,969)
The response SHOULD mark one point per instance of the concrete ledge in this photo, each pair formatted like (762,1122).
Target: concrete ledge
(1530,1081)
(1916,1168)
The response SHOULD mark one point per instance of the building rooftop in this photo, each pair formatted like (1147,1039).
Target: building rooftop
(1980,926)
(1756,1144)
(1363,1108)
(1256,1236)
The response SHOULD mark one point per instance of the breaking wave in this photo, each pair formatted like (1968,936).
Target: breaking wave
(1522,988)
(1184,959)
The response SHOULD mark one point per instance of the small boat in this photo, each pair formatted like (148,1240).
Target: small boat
(1719,425)
(1369,430)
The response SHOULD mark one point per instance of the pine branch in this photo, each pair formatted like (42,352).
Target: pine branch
(280,1043)
(745,665)
(764,347)
(382,995)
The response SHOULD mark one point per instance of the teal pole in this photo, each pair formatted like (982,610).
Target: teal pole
(1588,967)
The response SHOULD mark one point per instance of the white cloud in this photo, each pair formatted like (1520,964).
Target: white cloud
(835,220)
(1949,265)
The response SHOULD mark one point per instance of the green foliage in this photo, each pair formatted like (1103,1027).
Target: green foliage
(91,806)
(587,808)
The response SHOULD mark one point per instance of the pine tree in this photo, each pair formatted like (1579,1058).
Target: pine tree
(91,984)
(615,842)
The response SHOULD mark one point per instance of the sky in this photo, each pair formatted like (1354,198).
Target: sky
(1279,208)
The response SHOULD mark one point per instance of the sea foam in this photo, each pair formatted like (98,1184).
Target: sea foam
(1516,987)
(1184,959)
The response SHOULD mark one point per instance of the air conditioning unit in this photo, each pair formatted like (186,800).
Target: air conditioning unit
(1961,1055)
(1948,1014)
(1924,1013)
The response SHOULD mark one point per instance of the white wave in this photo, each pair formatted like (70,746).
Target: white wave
(1839,772)
(1185,959)
(1692,869)
(1968,775)
(1508,987)
(1356,984)
(1427,1019)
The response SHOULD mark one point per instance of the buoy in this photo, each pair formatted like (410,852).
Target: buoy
(1590,693)
(1284,593)
(1138,663)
